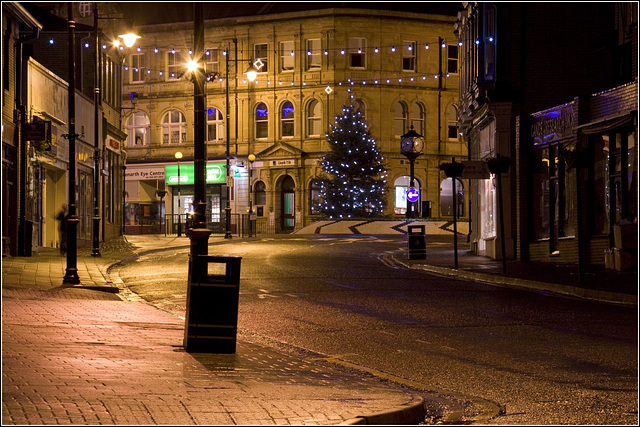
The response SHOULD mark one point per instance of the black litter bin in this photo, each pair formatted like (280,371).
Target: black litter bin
(417,242)
(211,321)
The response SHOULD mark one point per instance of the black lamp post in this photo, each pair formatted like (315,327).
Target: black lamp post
(453,170)
(178,156)
(251,158)
(251,74)
(71,272)
(411,146)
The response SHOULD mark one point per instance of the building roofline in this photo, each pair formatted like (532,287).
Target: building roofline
(23,15)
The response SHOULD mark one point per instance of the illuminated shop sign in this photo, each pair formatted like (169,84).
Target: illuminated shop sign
(215,173)
(552,125)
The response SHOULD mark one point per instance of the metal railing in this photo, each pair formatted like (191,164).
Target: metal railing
(240,225)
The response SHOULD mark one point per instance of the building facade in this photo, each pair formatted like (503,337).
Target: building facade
(552,55)
(311,64)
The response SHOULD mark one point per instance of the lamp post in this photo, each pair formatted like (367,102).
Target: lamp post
(251,74)
(178,156)
(129,40)
(251,158)
(71,271)
(411,146)
(454,170)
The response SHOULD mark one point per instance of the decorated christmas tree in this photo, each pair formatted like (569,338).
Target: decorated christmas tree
(355,181)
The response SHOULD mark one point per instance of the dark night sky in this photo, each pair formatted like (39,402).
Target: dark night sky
(159,12)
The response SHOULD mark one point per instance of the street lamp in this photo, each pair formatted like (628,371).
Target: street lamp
(129,41)
(178,156)
(251,158)
(411,146)
(251,74)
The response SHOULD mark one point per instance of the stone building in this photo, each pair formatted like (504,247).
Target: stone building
(398,68)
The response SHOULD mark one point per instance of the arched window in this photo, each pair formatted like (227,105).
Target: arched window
(174,128)
(400,119)
(314,197)
(358,105)
(262,121)
(286,120)
(313,118)
(138,129)
(446,197)
(452,124)
(417,118)
(260,193)
(215,125)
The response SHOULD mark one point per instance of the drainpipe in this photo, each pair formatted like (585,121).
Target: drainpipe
(20,108)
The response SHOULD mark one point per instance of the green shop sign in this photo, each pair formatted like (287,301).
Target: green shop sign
(215,173)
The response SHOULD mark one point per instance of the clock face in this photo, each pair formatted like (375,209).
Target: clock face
(418,145)
(406,145)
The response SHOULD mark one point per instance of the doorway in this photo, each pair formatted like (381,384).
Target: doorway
(288,204)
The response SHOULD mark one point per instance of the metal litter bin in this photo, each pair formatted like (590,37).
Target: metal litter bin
(211,321)
(417,242)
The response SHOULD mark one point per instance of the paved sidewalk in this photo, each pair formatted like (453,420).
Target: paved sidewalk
(597,284)
(76,355)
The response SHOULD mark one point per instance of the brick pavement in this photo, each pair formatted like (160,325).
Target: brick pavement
(74,355)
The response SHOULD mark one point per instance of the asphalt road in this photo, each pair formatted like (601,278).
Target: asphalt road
(542,359)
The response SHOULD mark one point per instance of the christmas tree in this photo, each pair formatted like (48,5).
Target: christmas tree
(355,182)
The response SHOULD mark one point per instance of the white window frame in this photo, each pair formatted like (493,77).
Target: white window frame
(313,119)
(137,61)
(409,55)
(133,125)
(358,47)
(174,63)
(217,122)
(264,58)
(287,61)
(287,120)
(169,126)
(313,54)
(212,60)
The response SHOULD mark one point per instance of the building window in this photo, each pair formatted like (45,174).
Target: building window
(409,56)
(174,65)
(358,106)
(313,118)
(417,118)
(400,119)
(452,124)
(262,121)
(174,128)
(314,197)
(261,53)
(215,125)
(446,197)
(357,57)
(286,120)
(287,59)
(452,58)
(260,193)
(138,68)
(313,55)
(6,38)
(212,60)
(138,128)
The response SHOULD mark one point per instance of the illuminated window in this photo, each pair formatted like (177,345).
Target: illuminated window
(261,53)
(215,125)
(138,129)
(174,128)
